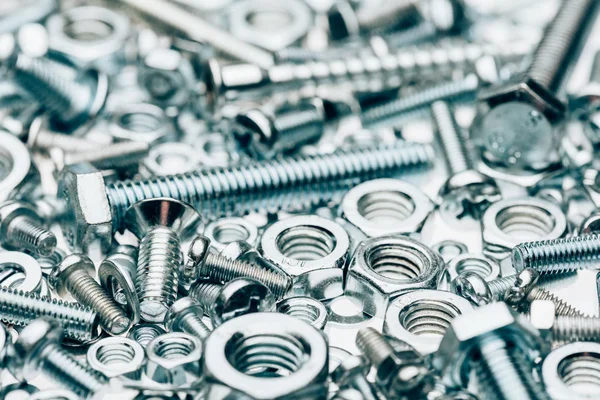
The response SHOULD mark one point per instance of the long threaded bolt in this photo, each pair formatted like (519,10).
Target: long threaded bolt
(21,228)
(74,276)
(558,256)
(274,184)
(20,308)
(185,315)
(38,350)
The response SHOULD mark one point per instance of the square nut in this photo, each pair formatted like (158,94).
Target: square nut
(384,268)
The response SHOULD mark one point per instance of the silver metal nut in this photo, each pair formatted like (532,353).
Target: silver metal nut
(242,347)
(384,268)
(384,207)
(141,122)
(305,308)
(420,317)
(228,230)
(510,222)
(172,356)
(117,356)
(170,159)
(479,264)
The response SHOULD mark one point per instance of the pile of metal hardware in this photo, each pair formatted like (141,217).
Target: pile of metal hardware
(299,199)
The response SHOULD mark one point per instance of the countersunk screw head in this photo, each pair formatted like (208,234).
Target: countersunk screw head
(72,263)
(239,297)
(24,354)
(145,215)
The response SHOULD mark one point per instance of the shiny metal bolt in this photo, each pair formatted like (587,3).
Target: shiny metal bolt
(352,373)
(21,228)
(563,328)
(185,315)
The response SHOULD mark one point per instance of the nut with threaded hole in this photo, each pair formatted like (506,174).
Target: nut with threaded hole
(21,228)
(160,224)
(214,267)
(38,350)
(74,276)
(185,315)
(558,256)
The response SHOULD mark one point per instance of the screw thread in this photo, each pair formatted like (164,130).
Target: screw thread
(88,292)
(558,255)
(374,346)
(63,97)
(452,140)
(421,32)
(145,333)
(498,373)
(223,269)
(21,308)
(573,328)
(61,367)
(298,126)
(294,182)
(562,307)
(499,286)
(192,324)
(465,89)
(205,293)
(158,264)
(48,263)
(562,40)
(26,233)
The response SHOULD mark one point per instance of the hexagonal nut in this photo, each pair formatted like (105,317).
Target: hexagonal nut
(167,76)
(516,124)
(117,356)
(384,268)
(172,356)
(87,221)
(465,332)
(510,222)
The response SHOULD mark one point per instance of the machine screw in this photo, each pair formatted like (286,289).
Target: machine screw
(160,224)
(215,267)
(38,349)
(74,275)
(558,256)
(352,373)
(269,184)
(518,290)
(468,188)
(117,155)
(21,228)
(205,293)
(563,328)
(20,308)
(185,315)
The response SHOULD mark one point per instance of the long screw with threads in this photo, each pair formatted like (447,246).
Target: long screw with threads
(21,228)
(558,256)
(20,308)
(275,184)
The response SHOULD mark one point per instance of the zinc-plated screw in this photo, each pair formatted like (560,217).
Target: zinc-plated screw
(185,315)
(160,224)
(518,290)
(205,293)
(563,328)
(215,267)
(38,349)
(40,137)
(275,184)
(20,308)
(352,372)
(117,155)
(558,256)
(22,228)
(74,275)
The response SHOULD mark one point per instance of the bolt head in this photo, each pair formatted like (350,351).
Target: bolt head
(60,273)
(471,191)
(542,314)
(348,368)
(239,297)
(181,308)
(24,354)
(9,210)
(472,287)
(526,280)
(145,215)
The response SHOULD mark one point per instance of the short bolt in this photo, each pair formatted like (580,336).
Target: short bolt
(563,328)
(185,315)
(38,349)
(20,308)
(468,188)
(558,256)
(39,137)
(206,293)
(74,276)
(396,377)
(215,267)
(160,224)
(21,228)
(352,373)
(117,155)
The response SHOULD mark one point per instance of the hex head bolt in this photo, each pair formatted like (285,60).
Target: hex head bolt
(558,256)
(395,377)
(563,328)
(74,275)
(352,373)
(38,350)
(215,267)
(518,290)
(185,315)
(468,188)
(20,308)
(21,228)
(160,224)
(500,355)
(527,111)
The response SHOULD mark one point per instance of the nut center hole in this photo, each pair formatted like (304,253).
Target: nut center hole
(230,232)
(428,318)
(581,372)
(269,20)
(88,30)
(306,243)
(394,262)
(386,207)
(525,222)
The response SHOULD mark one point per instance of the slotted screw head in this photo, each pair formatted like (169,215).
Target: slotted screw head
(239,297)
